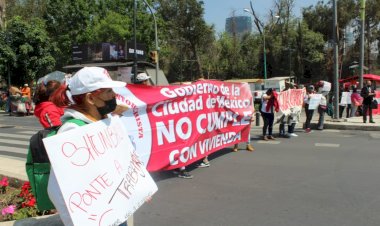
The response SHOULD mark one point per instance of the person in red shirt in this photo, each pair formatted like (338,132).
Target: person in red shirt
(46,111)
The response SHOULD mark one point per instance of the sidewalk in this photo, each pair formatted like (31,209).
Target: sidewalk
(354,123)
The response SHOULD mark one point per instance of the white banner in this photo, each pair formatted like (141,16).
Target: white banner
(101,177)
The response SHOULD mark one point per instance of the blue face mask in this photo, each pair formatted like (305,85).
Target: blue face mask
(109,106)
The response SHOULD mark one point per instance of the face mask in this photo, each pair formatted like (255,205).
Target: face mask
(109,106)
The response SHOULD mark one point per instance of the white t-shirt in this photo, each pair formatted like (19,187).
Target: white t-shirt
(264,103)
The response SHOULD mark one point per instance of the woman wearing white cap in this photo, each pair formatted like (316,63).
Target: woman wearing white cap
(88,97)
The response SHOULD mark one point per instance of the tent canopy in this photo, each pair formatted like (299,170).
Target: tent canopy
(365,76)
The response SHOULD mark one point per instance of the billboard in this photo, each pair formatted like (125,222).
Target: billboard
(107,51)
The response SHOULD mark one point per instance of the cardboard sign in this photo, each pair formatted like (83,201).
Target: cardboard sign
(314,101)
(346,98)
(290,100)
(100,175)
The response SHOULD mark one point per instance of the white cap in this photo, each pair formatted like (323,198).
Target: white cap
(89,79)
(142,77)
(26,84)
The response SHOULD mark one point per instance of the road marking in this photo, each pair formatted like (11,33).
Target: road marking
(28,132)
(327,145)
(14,149)
(268,142)
(7,141)
(375,135)
(332,131)
(14,135)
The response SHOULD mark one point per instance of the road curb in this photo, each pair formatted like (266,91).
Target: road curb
(337,126)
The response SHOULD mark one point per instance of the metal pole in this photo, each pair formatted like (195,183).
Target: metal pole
(362,42)
(335,41)
(135,41)
(156,40)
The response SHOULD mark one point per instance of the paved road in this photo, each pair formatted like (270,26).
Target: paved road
(15,133)
(323,178)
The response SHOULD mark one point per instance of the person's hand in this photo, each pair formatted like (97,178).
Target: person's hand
(148,199)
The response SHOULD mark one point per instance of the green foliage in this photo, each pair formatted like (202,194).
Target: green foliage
(31,57)
(185,24)
(40,34)
(114,27)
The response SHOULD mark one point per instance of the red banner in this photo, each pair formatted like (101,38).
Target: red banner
(174,126)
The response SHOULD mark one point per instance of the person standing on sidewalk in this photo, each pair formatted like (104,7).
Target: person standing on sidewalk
(367,93)
(269,105)
(321,111)
(356,101)
(309,112)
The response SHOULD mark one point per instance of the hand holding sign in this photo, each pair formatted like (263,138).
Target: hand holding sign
(110,181)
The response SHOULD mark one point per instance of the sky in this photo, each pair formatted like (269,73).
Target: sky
(216,11)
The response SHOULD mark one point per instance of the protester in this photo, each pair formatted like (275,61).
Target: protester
(142,78)
(322,108)
(26,94)
(356,101)
(309,112)
(342,106)
(293,119)
(285,119)
(89,97)
(249,146)
(47,112)
(14,96)
(269,105)
(367,93)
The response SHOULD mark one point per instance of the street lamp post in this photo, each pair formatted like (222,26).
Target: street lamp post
(264,49)
(156,39)
(135,41)
(362,41)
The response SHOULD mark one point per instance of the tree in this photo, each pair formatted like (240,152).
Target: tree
(32,49)
(186,23)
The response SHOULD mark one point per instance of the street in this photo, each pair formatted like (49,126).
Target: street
(321,178)
(326,177)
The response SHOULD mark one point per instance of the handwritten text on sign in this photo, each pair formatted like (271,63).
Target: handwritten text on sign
(99,173)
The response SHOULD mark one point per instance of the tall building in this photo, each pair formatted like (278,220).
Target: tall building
(238,25)
(2,13)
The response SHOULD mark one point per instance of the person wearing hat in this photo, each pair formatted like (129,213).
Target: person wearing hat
(25,91)
(143,79)
(88,97)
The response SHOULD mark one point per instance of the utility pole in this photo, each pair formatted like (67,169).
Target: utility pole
(155,39)
(362,42)
(135,41)
(335,43)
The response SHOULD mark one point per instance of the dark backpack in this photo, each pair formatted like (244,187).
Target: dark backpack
(38,165)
